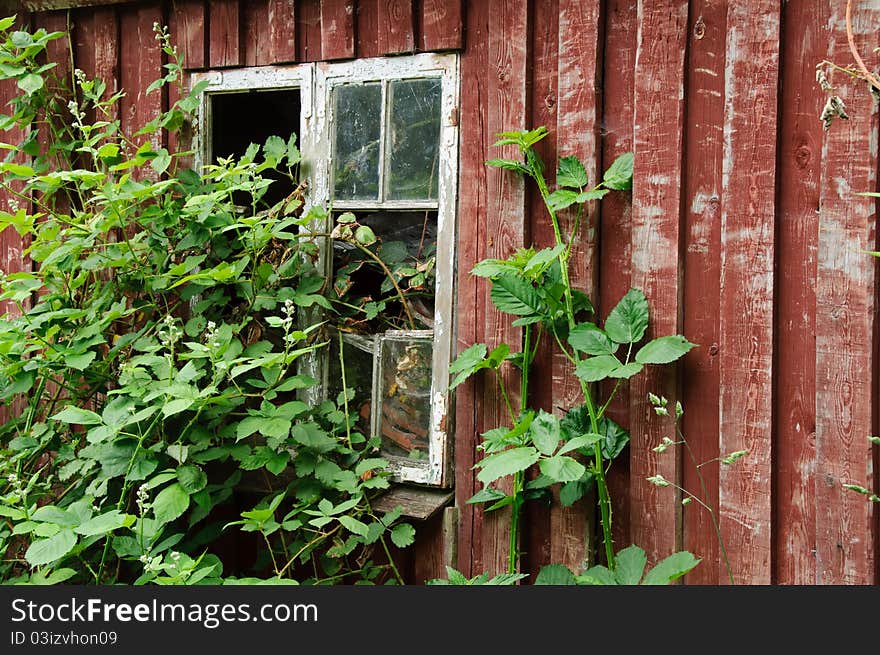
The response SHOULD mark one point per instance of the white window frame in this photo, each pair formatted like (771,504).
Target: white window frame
(315,83)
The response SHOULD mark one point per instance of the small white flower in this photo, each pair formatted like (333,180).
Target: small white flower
(658,480)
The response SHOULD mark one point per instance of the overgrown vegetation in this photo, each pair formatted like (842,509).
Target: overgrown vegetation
(150,369)
(535,287)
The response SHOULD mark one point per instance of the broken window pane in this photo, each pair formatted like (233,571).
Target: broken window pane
(406,244)
(357,129)
(405,393)
(413,140)
(357,353)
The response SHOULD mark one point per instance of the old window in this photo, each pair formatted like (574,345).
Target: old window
(379,141)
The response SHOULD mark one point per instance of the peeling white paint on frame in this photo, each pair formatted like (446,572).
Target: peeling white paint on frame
(315,83)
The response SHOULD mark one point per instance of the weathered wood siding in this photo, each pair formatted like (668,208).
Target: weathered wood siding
(743,228)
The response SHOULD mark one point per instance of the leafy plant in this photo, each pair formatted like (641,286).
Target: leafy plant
(629,570)
(151,372)
(457,578)
(535,287)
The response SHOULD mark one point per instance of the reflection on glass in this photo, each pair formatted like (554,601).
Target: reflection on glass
(413,140)
(357,353)
(358,119)
(405,395)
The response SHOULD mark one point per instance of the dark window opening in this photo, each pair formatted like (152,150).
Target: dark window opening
(240,119)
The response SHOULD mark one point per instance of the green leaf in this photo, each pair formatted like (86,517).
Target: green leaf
(80,362)
(364,235)
(545,432)
(571,492)
(627,322)
(597,368)
(353,525)
(274,149)
(46,551)
(105,523)
(55,515)
(671,568)
(629,565)
(486,495)
(403,535)
(664,350)
(176,406)
(77,416)
(466,363)
(597,575)
(278,462)
(247,426)
(555,574)
(492,268)
(543,258)
(562,199)
(161,161)
(312,436)
(592,194)
(616,438)
(191,478)
(571,173)
(562,468)
(507,462)
(591,339)
(508,164)
(514,295)
(170,503)
(583,441)
(30,83)
(626,371)
(619,174)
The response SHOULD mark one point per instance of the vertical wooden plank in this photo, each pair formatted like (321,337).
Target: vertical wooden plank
(187,26)
(704,98)
(57,50)
(224,47)
(577,126)
(367,28)
(845,310)
(747,260)
(308,34)
(799,174)
(442,26)
(282,30)
(506,109)
(396,33)
(106,56)
(544,102)
(615,210)
(255,30)
(337,29)
(656,210)
(434,549)
(470,290)
(140,64)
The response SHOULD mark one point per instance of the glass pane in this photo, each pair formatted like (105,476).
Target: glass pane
(358,117)
(414,140)
(357,353)
(406,244)
(405,393)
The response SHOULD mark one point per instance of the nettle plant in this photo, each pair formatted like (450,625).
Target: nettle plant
(574,451)
(150,373)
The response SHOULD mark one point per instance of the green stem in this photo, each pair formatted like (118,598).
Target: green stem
(344,393)
(601,484)
(712,516)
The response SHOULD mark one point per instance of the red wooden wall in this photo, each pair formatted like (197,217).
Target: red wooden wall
(742,228)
